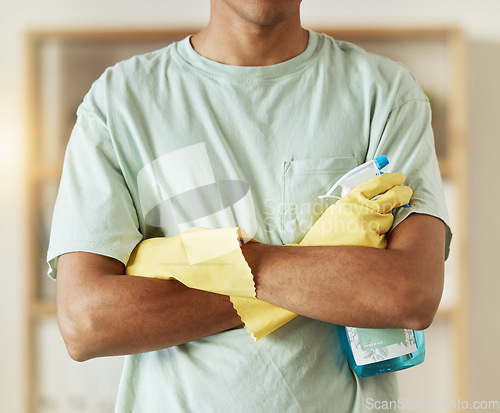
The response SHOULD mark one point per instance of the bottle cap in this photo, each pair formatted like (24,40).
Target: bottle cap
(381,161)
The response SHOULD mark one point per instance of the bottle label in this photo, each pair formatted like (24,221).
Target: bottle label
(374,345)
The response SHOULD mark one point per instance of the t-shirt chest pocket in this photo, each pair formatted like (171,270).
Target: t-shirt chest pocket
(304,180)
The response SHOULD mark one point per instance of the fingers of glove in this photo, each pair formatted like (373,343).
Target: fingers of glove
(380,184)
(379,223)
(393,198)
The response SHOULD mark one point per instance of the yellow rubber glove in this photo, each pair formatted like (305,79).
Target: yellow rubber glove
(209,260)
(201,258)
(357,218)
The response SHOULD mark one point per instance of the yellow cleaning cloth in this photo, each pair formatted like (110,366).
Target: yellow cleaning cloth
(211,259)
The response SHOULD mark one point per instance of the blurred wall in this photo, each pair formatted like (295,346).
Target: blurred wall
(484,219)
(479,19)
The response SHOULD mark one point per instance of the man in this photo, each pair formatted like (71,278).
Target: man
(287,111)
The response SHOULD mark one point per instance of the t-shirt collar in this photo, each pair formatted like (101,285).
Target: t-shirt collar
(216,69)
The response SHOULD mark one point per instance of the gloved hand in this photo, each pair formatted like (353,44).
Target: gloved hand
(200,258)
(209,260)
(357,218)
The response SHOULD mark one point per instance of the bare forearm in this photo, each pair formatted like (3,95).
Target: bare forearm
(358,286)
(341,285)
(118,314)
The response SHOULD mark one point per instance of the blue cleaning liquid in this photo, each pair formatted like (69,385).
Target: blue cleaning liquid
(402,362)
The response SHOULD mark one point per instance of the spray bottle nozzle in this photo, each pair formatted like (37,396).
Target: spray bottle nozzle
(358,175)
(381,161)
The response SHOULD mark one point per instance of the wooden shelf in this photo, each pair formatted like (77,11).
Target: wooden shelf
(444,167)
(46,172)
(43,309)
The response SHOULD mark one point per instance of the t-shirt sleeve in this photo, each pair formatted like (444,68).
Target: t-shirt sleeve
(408,142)
(94,211)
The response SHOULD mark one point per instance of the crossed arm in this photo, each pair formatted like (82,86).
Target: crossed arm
(101,312)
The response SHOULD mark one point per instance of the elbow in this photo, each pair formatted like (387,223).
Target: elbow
(417,305)
(420,320)
(75,330)
(76,353)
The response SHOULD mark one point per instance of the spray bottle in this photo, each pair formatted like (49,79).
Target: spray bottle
(375,351)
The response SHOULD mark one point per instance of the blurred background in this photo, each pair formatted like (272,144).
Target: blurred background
(453,47)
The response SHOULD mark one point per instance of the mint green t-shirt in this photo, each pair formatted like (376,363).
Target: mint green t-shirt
(170,140)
